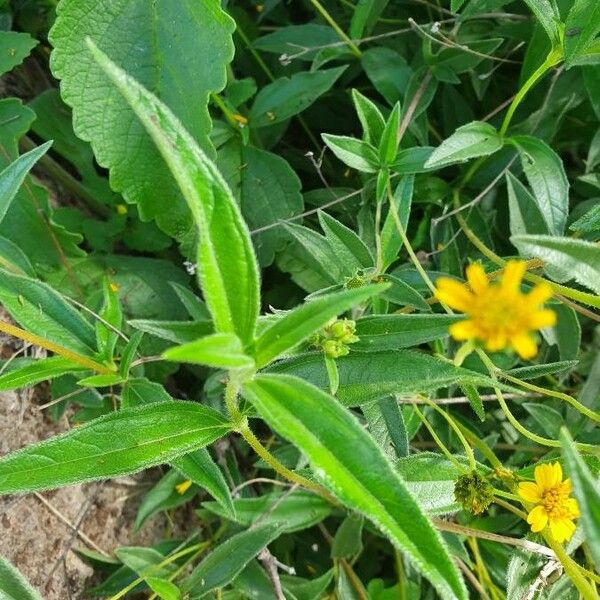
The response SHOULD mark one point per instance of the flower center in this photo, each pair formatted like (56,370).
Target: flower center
(554,501)
(497,311)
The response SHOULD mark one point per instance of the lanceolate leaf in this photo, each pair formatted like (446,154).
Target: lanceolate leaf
(220,350)
(469,141)
(116,444)
(356,470)
(581,28)
(227,266)
(546,15)
(546,175)
(587,492)
(13,176)
(304,320)
(38,308)
(148,40)
(577,258)
(39,370)
(368,376)
(228,559)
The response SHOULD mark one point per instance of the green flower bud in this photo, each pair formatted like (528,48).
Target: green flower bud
(334,348)
(474,492)
(343,330)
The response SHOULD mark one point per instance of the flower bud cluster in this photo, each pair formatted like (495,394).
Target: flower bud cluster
(335,337)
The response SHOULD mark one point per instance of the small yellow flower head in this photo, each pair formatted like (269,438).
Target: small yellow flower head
(121,209)
(184,486)
(500,316)
(553,505)
(474,492)
(114,288)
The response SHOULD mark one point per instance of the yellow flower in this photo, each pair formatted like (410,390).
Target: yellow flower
(499,314)
(553,506)
(184,486)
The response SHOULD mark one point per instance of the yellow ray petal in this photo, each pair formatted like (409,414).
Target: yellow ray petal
(537,518)
(562,529)
(530,492)
(539,294)
(542,318)
(546,476)
(513,274)
(454,294)
(573,508)
(496,342)
(524,345)
(477,278)
(463,330)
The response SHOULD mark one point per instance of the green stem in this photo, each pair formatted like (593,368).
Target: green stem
(323,12)
(37,340)
(571,569)
(552,60)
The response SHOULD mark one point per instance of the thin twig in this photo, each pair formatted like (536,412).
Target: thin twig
(268,560)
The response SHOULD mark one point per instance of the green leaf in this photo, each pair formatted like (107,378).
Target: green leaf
(38,308)
(590,221)
(293,511)
(164,588)
(227,270)
(577,258)
(147,40)
(179,332)
(475,400)
(546,175)
(300,41)
(581,28)
(525,213)
(347,541)
(289,96)
(394,422)
(535,371)
(357,154)
(469,141)
(412,160)
(403,294)
(110,314)
(228,559)
(302,589)
(202,470)
(268,191)
(350,249)
(549,420)
(163,496)
(546,14)
(298,324)
(370,117)
(587,493)
(39,370)
(387,332)
(365,377)
(388,71)
(220,350)
(116,444)
(15,48)
(365,16)
(13,586)
(13,176)
(356,470)
(391,242)
(388,147)
(139,391)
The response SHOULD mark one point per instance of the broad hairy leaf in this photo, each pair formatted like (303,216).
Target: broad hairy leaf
(370,118)
(468,141)
(546,175)
(227,267)
(587,493)
(13,586)
(581,28)
(546,14)
(228,559)
(368,376)
(357,154)
(39,308)
(525,214)
(13,176)
(578,259)
(220,350)
(119,443)
(302,321)
(355,469)
(148,40)
(365,15)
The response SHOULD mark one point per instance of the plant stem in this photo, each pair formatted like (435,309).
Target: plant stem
(37,340)
(323,12)
(551,60)
(571,569)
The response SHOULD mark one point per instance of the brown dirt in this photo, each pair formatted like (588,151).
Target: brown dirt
(100,515)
